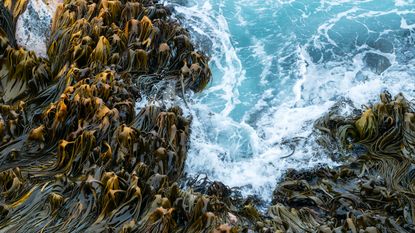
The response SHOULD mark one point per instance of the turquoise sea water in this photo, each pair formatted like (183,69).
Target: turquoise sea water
(277,67)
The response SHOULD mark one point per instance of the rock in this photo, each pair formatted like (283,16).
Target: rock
(33,26)
(376,63)
(383,45)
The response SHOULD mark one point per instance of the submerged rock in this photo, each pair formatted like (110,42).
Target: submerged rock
(383,45)
(376,63)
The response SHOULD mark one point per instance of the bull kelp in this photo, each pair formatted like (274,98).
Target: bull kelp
(374,190)
(76,156)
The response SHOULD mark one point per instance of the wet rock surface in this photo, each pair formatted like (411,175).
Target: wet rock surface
(383,45)
(376,63)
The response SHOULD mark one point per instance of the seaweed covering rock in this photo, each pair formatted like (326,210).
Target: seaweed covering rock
(373,191)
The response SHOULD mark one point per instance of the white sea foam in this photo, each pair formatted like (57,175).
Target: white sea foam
(205,23)
(403,2)
(259,51)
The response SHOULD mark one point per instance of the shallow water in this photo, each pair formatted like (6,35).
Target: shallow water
(280,65)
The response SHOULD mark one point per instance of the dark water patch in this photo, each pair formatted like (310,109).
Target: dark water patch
(383,45)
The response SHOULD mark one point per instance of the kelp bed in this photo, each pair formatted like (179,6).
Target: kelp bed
(75,156)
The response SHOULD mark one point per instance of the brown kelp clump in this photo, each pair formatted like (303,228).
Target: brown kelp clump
(75,156)
(373,192)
